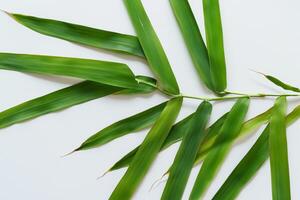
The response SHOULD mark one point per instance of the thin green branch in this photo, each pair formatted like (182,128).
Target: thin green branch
(237,97)
(237,94)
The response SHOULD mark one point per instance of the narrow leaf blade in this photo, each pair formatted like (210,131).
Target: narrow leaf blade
(280,83)
(110,73)
(153,50)
(118,129)
(82,35)
(175,135)
(248,127)
(251,163)
(215,46)
(193,39)
(216,156)
(184,160)
(147,152)
(177,132)
(245,170)
(62,99)
(55,101)
(278,152)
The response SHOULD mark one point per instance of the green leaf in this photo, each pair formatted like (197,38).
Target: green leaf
(177,132)
(215,46)
(110,73)
(248,127)
(193,39)
(278,152)
(62,99)
(118,129)
(175,135)
(153,50)
(55,101)
(279,83)
(82,35)
(187,152)
(214,159)
(245,170)
(147,152)
(251,163)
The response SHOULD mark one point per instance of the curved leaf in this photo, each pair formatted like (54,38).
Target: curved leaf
(134,123)
(280,83)
(153,50)
(184,160)
(82,35)
(147,152)
(278,152)
(110,73)
(251,163)
(214,159)
(215,46)
(193,39)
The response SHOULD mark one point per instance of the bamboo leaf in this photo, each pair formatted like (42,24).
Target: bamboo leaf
(153,50)
(61,99)
(248,127)
(187,152)
(278,152)
(82,35)
(55,101)
(134,123)
(115,74)
(193,39)
(215,46)
(251,163)
(175,135)
(216,156)
(245,170)
(177,132)
(147,152)
(280,83)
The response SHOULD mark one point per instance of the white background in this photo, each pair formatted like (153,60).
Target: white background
(259,34)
